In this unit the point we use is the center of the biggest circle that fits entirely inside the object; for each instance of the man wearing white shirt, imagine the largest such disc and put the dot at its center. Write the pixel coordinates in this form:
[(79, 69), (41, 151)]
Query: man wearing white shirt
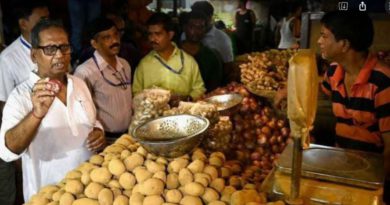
[(108, 77), (15, 66), (50, 118)]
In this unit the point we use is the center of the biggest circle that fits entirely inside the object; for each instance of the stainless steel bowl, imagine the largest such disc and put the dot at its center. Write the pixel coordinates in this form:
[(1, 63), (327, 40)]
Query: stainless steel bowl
[(171, 136), (225, 103)]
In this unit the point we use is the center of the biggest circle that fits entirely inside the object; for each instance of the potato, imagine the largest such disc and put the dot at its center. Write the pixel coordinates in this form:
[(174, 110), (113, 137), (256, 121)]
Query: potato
[(127, 192), (227, 193), (92, 190), (142, 151), (235, 181), (168, 203), (212, 171), (125, 153), (74, 174), (108, 157), (152, 186), (153, 167), (217, 203), (113, 183), (253, 203), (100, 175), (141, 174), (162, 160), (172, 181), (85, 178), (253, 196), (194, 189), (196, 166), (173, 196), (116, 192), (96, 159), (219, 155), (74, 186), (86, 167), (116, 167), (161, 175), (39, 200), (191, 200), (54, 203), (48, 191), (203, 175), (201, 180), (133, 147), (124, 141), (127, 180), (210, 195), (215, 161), (218, 184), (133, 161), (67, 199), (105, 197), (85, 201), (136, 188), (114, 148), (237, 198), (57, 195), (121, 200), (249, 186), (153, 200), (225, 172), (80, 196), (136, 199), (176, 165), (185, 176), (199, 155), (151, 156)]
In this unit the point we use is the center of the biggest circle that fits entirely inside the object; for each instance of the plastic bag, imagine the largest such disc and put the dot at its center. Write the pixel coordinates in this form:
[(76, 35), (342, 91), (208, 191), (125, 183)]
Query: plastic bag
[(302, 94)]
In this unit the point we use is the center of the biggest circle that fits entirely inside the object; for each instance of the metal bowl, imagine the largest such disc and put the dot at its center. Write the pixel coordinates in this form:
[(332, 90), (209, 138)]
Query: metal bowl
[(225, 103), (171, 136)]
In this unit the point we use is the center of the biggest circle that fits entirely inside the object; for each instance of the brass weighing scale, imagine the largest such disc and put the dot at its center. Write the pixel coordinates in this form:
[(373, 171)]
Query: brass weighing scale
[(330, 176)]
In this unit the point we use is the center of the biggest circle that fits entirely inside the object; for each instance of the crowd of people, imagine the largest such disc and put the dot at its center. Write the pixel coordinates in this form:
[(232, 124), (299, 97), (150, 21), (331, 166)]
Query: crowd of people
[(56, 111)]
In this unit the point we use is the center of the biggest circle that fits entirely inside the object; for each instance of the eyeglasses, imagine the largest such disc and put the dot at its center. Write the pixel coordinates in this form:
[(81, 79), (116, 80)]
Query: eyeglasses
[(51, 50)]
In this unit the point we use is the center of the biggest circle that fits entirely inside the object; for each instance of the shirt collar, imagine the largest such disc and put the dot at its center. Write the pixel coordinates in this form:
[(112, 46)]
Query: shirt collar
[(364, 73), (103, 64), (175, 52), (24, 42)]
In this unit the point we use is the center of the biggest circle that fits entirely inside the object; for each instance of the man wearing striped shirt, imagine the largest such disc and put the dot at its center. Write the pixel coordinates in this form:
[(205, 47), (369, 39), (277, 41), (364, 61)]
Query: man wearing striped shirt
[(359, 84), (108, 78)]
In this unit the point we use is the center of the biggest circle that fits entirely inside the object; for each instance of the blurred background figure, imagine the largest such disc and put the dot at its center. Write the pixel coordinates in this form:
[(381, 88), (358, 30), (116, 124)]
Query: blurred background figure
[(245, 21), (81, 12), (290, 27)]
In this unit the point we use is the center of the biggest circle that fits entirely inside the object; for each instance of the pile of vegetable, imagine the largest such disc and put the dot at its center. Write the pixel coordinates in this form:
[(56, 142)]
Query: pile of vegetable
[(266, 70), (125, 173)]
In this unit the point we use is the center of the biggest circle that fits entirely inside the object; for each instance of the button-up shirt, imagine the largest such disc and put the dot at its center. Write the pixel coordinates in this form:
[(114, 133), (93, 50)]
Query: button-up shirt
[(184, 78), (60, 142), (15, 66), (113, 102)]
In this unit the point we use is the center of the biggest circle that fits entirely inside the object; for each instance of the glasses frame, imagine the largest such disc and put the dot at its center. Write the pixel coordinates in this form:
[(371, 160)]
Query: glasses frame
[(65, 49)]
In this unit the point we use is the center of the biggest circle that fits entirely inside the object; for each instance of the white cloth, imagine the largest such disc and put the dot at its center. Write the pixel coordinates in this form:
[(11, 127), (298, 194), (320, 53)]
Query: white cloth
[(60, 143), (220, 41), (15, 66), (113, 103), (287, 39)]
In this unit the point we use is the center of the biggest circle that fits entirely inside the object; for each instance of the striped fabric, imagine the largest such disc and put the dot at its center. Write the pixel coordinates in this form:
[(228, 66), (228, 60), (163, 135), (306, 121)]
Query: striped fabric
[(365, 114)]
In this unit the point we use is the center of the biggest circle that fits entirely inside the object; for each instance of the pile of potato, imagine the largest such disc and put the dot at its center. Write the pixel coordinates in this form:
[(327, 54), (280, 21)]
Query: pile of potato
[(149, 104), (266, 70), (126, 174)]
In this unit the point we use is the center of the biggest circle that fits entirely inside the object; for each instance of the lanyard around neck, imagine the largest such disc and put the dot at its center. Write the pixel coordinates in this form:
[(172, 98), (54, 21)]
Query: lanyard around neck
[(168, 67), (25, 44), (123, 82)]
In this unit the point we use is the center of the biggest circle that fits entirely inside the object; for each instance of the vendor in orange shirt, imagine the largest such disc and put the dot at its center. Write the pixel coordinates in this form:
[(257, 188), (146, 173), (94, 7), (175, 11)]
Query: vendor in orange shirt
[(357, 82)]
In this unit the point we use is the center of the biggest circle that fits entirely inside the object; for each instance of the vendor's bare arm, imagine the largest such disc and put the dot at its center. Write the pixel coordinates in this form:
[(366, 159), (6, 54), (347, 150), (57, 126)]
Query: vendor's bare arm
[(19, 137), (386, 153)]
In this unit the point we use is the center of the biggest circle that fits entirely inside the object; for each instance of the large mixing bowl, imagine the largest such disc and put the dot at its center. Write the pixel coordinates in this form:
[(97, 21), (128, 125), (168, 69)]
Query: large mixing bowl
[(171, 136), (227, 103)]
